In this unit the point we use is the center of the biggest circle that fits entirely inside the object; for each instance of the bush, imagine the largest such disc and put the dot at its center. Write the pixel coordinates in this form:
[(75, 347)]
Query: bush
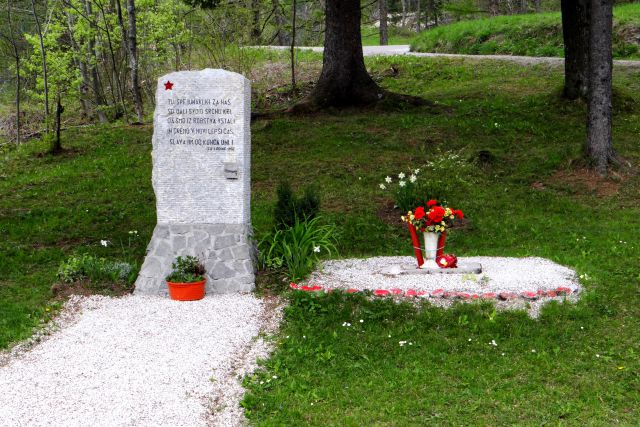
[(187, 269), (295, 250), (79, 267), (289, 207)]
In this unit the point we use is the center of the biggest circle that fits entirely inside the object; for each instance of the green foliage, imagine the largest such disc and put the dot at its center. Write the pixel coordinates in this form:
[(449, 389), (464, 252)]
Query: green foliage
[(289, 207), (447, 174), (296, 249), (528, 34), (187, 269), (85, 266)]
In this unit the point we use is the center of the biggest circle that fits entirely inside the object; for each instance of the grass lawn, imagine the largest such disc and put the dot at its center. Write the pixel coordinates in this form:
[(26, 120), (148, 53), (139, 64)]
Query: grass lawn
[(530, 35), (586, 364)]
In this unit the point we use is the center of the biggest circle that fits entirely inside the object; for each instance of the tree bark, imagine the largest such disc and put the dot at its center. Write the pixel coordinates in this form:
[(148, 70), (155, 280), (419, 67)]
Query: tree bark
[(133, 60), (344, 79), (575, 32), (384, 29), (293, 45), (93, 70), (16, 54), (255, 22), (45, 75), (56, 144), (599, 146), (283, 37)]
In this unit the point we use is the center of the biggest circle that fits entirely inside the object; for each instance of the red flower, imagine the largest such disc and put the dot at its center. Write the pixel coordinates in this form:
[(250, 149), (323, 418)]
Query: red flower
[(432, 203), (436, 214), (419, 213), (458, 213)]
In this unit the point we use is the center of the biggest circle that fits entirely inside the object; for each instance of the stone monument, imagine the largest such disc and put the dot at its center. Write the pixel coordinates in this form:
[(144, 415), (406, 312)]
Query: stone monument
[(201, 178)]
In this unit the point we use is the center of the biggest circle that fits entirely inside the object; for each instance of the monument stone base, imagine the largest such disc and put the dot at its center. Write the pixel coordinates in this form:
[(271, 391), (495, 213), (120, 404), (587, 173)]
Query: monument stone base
[(226, 250)]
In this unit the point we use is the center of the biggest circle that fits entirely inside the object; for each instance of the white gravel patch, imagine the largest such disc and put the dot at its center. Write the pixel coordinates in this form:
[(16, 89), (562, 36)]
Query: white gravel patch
[(498, 275), (138, 360)]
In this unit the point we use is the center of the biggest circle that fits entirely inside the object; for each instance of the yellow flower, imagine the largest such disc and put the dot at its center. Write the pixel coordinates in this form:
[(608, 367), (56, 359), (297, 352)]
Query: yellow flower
[(403, 218)]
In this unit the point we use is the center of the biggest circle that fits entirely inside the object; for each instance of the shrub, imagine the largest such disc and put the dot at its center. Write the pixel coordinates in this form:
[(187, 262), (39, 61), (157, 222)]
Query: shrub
[(289, 207), (187, 269), (79, 267), (296, 249)]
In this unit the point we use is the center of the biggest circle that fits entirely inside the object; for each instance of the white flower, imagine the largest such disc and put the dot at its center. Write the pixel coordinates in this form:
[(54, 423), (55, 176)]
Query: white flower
[(361, 320), (388, 179), (416, 172), (383, 187), (413, 178), (533, 350), (104, 243), (493, 343), (275, 377), (401, 183), (401, 175), (402, 343), (496, 124), (316, 249)]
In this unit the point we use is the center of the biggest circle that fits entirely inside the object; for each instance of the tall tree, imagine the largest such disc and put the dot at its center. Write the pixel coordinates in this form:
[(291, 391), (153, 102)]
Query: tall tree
[(45, 75), (384, 29), (344, 79), (132, 47), (16, 56), (575, 32), (599, 146)]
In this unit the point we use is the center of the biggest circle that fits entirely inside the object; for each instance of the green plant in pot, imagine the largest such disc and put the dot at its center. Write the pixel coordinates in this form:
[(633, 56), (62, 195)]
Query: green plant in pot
[(187, 281)]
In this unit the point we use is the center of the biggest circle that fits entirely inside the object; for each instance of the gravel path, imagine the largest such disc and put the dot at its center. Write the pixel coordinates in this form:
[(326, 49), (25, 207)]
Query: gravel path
[(139, 360), (404, 49)]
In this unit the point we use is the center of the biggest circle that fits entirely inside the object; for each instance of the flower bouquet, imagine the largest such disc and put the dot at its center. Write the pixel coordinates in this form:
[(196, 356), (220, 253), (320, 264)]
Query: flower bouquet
[(433, 220)]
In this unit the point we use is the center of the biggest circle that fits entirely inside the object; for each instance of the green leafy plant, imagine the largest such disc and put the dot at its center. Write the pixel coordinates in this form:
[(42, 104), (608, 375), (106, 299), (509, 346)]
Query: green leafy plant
[(437, 179), (296, 249), (79, 267), (186, 269), (289, 206)]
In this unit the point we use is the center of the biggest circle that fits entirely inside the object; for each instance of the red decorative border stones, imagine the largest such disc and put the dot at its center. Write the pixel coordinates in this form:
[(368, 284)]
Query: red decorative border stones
[(441, 293)]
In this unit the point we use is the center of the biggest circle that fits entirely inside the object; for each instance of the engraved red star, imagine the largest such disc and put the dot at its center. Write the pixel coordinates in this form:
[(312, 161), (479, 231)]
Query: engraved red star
[(168, 85)]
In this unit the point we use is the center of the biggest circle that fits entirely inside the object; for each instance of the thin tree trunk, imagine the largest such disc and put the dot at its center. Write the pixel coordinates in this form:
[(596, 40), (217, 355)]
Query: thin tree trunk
[(16, 54), (384, 30), (114, 69), (599, 146), (404, 13), (575, 32), (418, 13), (56, 144), (255, 22), (133, 60), (93, 70), (293, 46), (344, 79), (45, 76), (283, 37)]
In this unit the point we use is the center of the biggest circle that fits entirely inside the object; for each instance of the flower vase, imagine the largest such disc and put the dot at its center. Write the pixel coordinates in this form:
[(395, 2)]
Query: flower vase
[(431, 240)]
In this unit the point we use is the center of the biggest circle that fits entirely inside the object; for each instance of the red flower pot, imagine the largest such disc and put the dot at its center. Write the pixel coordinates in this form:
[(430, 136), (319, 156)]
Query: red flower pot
[(186, 291)]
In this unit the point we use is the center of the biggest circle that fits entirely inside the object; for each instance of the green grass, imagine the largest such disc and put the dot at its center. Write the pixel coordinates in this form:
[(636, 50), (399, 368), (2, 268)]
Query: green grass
[(331, 375), (371, 36), (530, 35)]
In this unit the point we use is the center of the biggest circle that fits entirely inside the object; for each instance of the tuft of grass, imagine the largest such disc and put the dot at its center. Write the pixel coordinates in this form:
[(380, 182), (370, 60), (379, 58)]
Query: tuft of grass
[(528, 35)]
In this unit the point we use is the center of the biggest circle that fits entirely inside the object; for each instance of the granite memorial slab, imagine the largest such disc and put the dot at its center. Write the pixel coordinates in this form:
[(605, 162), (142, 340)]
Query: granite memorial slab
[(201, 179)]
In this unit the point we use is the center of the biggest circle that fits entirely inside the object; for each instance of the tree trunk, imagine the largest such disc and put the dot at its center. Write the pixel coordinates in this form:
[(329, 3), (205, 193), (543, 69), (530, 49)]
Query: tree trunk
[(93, 70), (293, 46), (45, 76), (56, 144), (538, 4), (344, 79), (255, 22), (599, 146), (16, 54), (418, 13), (404, 13), (575, 32), (78, 60), (283, 37), (133, 60), (384, 30)]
